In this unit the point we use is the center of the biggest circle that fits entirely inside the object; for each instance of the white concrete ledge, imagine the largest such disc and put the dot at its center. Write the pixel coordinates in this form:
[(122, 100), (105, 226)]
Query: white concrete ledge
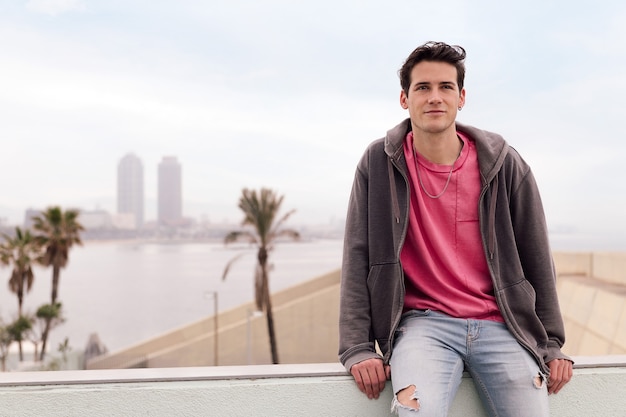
[(201, 373), (268, 390)]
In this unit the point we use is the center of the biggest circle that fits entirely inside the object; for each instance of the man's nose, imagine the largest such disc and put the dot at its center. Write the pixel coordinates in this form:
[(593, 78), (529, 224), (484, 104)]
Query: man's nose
[(434, 97)]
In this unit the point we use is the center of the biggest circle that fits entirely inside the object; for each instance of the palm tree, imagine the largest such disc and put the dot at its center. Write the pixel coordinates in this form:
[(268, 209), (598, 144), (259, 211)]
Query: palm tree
[(19, 330), (20, 251), (5, 343), (57, 231), (261, 214), (48, 317)]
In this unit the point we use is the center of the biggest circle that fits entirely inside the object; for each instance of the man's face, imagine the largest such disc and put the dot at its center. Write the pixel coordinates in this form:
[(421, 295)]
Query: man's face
[(434, 97)]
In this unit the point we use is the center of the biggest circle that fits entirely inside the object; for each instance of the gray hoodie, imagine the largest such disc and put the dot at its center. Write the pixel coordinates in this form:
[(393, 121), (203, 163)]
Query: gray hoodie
[(515, 242)]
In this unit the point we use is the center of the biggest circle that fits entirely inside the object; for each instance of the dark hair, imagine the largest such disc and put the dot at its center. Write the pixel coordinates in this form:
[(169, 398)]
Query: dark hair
[(437, 52)]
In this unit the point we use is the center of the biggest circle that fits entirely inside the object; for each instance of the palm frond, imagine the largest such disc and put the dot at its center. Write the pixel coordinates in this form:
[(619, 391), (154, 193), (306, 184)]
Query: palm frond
[(230, 263), (57, 231), (283, 219), (20, 251), (290, 233), (260, 210), (240, 234)]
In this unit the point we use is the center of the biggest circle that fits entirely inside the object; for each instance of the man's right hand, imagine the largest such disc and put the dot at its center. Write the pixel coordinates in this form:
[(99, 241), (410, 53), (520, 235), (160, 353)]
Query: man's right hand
[(370, 376)]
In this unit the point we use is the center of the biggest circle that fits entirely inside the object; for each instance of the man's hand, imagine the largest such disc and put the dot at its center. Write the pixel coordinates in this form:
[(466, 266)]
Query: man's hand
[(560, 374), (370, 376)]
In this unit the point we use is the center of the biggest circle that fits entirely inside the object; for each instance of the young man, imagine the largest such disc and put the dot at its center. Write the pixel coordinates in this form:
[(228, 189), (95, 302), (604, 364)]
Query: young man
[(446, 264)]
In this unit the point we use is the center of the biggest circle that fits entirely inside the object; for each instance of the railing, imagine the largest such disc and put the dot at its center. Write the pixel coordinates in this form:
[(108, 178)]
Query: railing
[(597, 389)]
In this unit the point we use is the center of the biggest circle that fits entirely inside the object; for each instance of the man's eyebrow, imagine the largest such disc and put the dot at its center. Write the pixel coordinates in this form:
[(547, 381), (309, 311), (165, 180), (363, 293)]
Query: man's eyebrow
[(440, 83)]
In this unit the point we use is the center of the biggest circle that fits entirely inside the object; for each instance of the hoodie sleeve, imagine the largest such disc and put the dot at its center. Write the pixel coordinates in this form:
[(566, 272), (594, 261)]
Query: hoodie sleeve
[(531, 236), (356, 342)]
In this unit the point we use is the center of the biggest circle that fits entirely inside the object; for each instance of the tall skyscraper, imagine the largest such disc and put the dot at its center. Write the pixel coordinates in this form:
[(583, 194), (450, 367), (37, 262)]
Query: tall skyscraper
[(170, 208), (130, 195)]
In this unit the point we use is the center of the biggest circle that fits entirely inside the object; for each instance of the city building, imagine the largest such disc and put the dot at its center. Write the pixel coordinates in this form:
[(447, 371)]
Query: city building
[(95, 219), (170, 193), (130, 195), (28, 217)]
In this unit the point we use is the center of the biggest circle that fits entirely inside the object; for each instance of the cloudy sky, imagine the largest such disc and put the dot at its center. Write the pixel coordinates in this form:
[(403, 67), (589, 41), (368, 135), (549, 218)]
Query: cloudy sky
[(287, 94)]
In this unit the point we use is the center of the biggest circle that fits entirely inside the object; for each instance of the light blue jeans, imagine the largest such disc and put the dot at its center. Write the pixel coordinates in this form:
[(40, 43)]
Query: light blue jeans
[(431, 350)]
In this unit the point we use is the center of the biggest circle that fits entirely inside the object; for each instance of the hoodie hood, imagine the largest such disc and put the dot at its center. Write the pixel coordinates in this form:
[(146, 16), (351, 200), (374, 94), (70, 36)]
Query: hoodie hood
[(491, 147)]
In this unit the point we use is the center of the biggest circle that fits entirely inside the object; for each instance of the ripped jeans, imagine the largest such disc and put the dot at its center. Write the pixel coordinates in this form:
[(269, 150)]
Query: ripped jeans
[(430, 352)]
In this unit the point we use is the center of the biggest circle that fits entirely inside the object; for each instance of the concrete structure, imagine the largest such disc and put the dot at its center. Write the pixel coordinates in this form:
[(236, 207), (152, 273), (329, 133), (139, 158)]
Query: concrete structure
[(170, 192), (130, 191), (305, 318), (314, 390), (592, 293), (594, 311)]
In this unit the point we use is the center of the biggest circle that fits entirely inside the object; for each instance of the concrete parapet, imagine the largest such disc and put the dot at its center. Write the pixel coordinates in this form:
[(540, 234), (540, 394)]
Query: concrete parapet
[(592, 296), (313, 390), (605, 266), (573, 263), (305, 317), (594, 315), (610, 267)]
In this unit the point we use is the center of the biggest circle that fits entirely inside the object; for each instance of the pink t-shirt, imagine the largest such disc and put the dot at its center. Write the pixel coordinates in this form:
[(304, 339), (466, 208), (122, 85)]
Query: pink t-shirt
[(443, 258)]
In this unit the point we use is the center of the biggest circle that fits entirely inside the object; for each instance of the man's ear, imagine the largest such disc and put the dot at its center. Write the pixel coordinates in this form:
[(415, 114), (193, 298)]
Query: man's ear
[(404, 100)]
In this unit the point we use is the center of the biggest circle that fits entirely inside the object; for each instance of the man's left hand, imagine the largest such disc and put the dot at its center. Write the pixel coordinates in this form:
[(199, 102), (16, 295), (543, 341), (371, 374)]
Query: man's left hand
[(560, 374)]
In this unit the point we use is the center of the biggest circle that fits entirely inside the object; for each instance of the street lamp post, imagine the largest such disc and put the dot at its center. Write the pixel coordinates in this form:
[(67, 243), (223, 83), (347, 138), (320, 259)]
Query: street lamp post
[(213, 294), (252, 313)]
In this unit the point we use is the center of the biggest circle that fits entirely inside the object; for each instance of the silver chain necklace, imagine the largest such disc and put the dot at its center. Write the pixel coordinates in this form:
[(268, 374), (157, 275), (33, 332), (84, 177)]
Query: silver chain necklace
[(419, 176)]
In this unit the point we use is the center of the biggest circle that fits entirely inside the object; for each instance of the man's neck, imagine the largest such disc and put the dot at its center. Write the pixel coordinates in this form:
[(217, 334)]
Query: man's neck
[(441, 148)]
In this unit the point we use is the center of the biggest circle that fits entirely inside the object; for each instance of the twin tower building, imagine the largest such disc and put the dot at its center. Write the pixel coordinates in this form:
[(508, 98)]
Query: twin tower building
[(130, 190)]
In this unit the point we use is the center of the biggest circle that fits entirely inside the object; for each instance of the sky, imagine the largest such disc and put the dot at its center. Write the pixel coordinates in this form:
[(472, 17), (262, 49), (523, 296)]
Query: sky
[(287, 95)]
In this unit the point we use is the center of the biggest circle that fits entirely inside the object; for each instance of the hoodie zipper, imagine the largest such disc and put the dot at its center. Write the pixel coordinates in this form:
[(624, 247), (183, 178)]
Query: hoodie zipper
[(491, 239), (396, 207)]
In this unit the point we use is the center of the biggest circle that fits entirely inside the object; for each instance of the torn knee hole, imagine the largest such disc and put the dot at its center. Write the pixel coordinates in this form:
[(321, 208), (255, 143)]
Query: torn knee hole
[(407, 397), (538, 381)]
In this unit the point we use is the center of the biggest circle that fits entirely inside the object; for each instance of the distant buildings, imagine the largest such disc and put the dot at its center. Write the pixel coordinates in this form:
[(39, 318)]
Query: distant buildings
[(130, 194), (130, 219), (28, 217), (170, 193), (95, 219)]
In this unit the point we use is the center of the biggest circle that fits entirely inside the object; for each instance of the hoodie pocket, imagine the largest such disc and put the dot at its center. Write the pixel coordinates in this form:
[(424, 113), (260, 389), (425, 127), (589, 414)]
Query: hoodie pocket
[(519, 300), (384, 286)]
